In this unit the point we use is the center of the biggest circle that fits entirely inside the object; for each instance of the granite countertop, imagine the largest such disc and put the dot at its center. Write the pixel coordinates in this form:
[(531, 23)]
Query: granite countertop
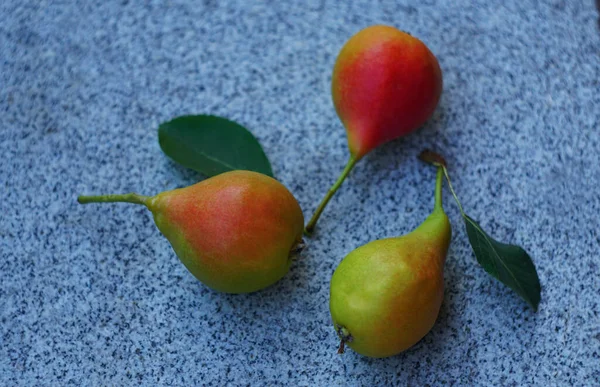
[(95, 296)]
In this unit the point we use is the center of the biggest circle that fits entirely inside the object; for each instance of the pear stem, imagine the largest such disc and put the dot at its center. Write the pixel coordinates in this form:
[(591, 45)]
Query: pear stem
[(310, 227), (438, 189), (438, 160), (462, 212), (127, 198)]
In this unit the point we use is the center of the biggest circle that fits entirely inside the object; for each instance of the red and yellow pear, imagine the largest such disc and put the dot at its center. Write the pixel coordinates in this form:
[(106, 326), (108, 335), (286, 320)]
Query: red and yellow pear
[(385, 84), (235, 232)]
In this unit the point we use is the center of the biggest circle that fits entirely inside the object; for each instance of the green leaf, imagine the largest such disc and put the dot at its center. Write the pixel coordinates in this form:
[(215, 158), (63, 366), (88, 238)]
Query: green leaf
[(212, 145), (508, 263)]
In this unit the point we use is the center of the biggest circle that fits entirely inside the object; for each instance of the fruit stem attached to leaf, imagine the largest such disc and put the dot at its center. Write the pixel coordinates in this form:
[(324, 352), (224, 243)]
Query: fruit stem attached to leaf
[(462, 212), (438, 160), (310, 227), (518, 271), (126, 198)]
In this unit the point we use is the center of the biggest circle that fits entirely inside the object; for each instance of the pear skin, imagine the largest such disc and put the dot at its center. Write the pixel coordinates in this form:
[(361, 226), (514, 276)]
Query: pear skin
[(235, 232), (386, 295)]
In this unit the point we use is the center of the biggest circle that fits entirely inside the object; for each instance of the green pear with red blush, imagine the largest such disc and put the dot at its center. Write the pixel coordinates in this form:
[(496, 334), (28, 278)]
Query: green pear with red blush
[(236, 232), (385, 84), (386, 295)]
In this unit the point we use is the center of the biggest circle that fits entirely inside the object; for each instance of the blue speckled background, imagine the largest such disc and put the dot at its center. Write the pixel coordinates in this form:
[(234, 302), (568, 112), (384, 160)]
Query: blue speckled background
[(95, 296)]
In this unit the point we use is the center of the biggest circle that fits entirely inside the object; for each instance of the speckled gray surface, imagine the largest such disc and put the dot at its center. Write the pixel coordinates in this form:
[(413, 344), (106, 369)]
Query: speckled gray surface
[(95, 296)]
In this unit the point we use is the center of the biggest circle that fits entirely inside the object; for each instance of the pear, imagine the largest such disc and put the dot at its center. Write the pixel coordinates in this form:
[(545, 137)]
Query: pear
[(386, 295), (235, 232), (385, 84)]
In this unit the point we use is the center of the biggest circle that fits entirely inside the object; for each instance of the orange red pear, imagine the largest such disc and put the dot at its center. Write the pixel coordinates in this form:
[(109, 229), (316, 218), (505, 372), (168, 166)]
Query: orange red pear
[(385, 84), (235, 232)]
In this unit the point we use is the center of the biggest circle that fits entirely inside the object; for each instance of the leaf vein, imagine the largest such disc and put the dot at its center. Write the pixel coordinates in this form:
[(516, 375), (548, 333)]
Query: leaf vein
[(497, 255)]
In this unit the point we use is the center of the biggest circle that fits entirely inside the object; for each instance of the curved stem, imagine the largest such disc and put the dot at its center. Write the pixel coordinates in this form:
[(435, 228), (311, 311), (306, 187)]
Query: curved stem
[(453, 193), (127, 198), (438, 189), (310, 227)]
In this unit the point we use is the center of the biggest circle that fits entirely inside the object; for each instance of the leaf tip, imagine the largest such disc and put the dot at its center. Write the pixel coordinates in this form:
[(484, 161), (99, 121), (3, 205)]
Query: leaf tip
[(510, 264)]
